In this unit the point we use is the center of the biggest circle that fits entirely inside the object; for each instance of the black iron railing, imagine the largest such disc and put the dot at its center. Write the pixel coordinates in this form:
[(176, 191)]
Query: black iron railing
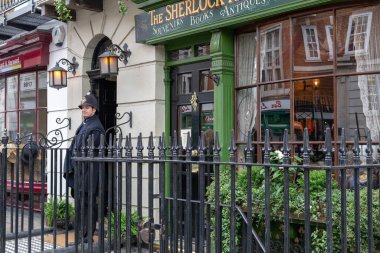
[(168, 198)]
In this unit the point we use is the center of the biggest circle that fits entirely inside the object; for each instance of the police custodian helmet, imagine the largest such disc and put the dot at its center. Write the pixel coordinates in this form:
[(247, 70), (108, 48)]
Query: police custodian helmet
[(89, 100)]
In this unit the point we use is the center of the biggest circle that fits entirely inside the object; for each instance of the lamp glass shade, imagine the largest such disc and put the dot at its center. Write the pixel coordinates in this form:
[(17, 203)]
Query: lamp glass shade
[(108, 63), (57, 77)]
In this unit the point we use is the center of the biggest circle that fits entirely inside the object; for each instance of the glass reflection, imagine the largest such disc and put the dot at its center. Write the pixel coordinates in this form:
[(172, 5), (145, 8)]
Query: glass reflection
[(357, 45), (184, 83), (275, 110), (358, 106), (313, 107), (313, 48), (274, 52)]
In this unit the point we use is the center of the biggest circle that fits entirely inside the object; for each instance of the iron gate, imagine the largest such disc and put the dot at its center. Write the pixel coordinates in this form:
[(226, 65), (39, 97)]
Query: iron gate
[(229, 213)]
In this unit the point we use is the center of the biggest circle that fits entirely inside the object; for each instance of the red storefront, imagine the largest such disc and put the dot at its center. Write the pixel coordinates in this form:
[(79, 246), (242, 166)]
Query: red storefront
[(23, 101)]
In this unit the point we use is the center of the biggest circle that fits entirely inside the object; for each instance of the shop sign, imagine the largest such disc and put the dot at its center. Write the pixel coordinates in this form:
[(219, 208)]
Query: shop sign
[(10, 64), (208, 118), (28, 82), (191, 14), (273, 105)]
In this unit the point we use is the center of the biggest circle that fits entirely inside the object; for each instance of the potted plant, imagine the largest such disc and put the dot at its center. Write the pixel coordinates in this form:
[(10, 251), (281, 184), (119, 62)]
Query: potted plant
[(60, 214)]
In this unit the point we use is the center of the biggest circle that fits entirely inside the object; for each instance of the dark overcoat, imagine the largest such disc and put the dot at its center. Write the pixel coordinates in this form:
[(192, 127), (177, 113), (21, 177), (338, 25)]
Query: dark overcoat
[(90, 126)]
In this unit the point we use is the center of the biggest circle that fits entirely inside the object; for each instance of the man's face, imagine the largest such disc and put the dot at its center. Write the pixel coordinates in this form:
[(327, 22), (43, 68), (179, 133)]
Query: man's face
[(88, 111)]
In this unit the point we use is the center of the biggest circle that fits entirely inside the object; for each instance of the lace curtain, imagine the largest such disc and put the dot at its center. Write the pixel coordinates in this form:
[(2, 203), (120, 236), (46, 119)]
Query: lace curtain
[(247, 98), (369, 60)]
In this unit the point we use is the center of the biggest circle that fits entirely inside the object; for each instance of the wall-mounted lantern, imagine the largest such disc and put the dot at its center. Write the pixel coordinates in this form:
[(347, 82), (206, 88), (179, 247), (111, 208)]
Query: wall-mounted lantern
[(58, 75), (108, 61)]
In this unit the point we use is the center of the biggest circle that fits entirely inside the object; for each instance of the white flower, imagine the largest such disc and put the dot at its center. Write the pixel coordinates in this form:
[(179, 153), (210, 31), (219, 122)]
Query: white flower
[(280, 155)]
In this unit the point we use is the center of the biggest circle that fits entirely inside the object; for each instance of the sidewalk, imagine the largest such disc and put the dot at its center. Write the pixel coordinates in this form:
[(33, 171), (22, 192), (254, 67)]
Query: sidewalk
[(23, 245), (35, 243)]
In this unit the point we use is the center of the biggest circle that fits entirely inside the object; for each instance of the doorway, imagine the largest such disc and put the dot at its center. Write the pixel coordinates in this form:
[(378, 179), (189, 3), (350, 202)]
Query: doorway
[(192, 111), (192, 100)]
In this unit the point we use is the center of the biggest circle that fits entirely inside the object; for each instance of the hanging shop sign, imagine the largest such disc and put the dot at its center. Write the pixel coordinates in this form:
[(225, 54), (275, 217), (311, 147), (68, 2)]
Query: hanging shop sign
[(10, 64), (191, 14)]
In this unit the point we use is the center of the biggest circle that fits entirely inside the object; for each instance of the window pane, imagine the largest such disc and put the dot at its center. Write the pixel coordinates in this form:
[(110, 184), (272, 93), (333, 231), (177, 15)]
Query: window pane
[(12, 91), (42, 121), (357, 39), (27, 122), (42, 89), (184, 83), (313, 107), (2, 94), (206, 83), (247, 67), (11, 126), (275, 111), (312, 54), (274, 52), (246, 113), (180, 54), (358, 105), (202, 50), (2, 123), (28, 91)]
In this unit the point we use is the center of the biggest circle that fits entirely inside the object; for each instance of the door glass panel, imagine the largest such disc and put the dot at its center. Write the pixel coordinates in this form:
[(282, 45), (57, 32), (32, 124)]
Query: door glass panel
[(207, 116), (184, 122), (205, 82), (184, 83)]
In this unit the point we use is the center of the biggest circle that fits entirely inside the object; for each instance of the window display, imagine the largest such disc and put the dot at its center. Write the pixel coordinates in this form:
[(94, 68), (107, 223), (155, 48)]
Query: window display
[(316, 86)]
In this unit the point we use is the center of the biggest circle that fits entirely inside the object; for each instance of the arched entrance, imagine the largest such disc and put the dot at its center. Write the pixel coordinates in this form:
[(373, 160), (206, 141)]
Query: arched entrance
[(103, 87)]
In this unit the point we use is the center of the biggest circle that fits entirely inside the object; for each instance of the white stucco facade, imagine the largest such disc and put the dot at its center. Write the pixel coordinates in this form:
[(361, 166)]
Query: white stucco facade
[(140, 84)]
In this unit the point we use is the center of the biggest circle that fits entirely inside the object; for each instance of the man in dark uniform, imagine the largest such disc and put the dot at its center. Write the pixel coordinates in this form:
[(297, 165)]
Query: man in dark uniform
[(91, 126)]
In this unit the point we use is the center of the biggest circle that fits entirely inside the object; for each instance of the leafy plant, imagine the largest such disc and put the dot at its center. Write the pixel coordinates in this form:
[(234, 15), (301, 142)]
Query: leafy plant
[(123, 224), (317, 184), (60, 212), (64, 13), (123, 8)]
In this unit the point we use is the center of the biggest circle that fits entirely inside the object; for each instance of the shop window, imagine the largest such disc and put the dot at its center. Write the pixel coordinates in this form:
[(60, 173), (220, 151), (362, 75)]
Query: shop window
[(314, 107), (270, 55), (275, 112), (358, 32), (358, 105), (246, 112), (246, 101), (311, 43), (246, 59), (330, 39), (22, 100)]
